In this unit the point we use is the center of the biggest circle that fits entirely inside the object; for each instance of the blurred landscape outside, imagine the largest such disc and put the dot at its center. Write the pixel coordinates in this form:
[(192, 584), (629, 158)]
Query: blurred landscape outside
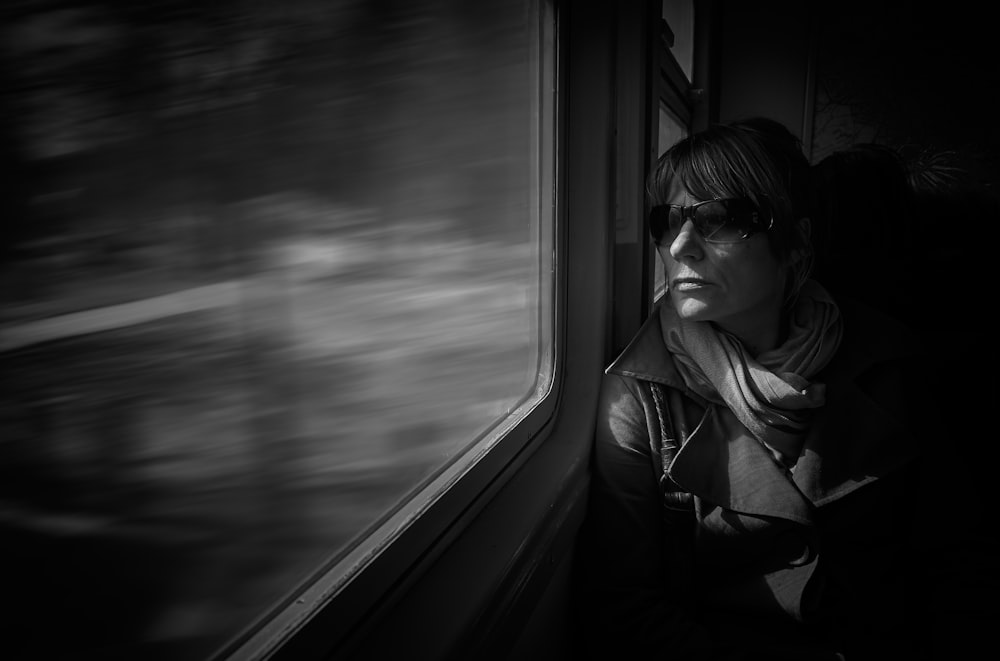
[(267, 269)]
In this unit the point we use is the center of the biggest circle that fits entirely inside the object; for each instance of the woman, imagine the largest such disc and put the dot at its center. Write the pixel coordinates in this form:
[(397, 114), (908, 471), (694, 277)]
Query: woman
[(757, 446)]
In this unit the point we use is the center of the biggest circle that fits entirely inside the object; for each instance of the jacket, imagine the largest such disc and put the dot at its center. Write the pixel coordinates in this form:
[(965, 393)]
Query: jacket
[(832, 560)]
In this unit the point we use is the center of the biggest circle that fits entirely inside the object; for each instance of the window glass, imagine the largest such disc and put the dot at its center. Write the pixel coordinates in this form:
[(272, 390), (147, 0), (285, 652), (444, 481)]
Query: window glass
[(679, 15), (671, 131), (271, 267)]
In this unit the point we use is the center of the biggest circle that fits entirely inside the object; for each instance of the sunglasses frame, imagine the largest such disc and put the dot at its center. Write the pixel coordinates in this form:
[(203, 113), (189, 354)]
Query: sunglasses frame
[(689, 212)]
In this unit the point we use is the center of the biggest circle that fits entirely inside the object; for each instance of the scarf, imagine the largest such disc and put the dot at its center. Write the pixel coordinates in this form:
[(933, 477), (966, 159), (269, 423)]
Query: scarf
[(771, 395)]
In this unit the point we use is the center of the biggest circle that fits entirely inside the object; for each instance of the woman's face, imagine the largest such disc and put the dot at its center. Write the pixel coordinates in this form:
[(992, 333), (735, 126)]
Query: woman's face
[(739, 286)]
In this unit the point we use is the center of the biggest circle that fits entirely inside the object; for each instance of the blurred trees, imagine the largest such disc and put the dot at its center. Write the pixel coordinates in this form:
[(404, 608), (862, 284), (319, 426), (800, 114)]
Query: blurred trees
[(112, 109)]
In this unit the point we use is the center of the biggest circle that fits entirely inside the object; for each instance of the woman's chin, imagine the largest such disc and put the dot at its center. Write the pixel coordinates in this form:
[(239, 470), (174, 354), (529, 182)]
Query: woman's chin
[(691, 309)]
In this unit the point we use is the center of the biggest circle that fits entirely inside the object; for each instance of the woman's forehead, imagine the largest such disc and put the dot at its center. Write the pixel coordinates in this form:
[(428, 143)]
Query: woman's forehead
[(678, 193)]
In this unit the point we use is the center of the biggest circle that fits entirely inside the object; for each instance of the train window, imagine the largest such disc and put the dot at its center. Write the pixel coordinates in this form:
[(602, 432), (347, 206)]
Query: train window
[(679, 17), (274, 270)]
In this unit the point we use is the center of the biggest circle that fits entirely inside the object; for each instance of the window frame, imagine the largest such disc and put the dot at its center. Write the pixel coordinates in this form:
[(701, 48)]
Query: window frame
[(335, 608), (690, 102)]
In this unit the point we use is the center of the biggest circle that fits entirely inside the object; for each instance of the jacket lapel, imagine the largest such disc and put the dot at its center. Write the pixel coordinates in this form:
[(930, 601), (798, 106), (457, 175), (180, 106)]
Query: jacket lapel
[(646, 357), (725, 465)]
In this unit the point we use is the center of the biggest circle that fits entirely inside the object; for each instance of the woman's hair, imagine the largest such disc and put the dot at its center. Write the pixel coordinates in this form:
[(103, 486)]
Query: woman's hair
[(757, 159)]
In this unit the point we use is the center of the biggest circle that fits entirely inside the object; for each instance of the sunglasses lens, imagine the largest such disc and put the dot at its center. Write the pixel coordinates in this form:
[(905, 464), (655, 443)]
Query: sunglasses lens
[(726, 221), (664, 223), (657, 223), (712, 220)]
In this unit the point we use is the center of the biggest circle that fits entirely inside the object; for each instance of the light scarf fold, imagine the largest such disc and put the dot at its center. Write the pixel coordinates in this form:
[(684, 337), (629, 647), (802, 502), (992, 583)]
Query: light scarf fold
[(771, 395)]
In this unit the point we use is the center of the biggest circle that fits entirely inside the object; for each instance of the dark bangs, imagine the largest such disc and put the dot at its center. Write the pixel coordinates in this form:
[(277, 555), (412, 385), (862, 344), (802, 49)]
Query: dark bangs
[(723, 162)]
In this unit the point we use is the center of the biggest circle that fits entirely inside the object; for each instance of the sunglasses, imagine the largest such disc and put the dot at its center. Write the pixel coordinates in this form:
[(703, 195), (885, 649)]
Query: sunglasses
[(727, 220)]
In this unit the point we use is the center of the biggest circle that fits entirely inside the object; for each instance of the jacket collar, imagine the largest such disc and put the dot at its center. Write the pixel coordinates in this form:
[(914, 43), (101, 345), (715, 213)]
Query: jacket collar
[(853, 441), (646, 357)]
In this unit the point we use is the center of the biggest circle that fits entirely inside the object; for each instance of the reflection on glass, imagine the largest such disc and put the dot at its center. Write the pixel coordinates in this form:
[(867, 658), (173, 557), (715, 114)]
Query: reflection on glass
[(671, 130), (679, 15), (271, 267)]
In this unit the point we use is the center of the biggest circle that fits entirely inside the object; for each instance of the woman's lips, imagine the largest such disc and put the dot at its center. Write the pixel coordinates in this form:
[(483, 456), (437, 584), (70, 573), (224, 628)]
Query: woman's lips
[(689, 284)]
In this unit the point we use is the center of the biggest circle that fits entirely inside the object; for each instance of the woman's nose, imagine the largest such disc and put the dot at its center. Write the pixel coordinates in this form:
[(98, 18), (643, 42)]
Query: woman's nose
[(687, 243)]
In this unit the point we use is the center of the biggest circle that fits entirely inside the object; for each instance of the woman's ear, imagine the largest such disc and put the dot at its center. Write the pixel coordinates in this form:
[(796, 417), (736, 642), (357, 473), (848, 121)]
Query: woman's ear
[(804, 247), (805, 228), (800, 261)]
